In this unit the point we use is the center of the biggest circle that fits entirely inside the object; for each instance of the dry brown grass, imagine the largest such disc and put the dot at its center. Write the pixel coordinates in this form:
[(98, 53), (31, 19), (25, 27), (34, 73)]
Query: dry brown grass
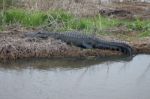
[(14, 48), (77, 7)]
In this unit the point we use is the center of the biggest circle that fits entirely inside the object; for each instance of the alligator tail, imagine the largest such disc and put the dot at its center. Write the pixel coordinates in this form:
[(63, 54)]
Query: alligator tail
[(122, 47)]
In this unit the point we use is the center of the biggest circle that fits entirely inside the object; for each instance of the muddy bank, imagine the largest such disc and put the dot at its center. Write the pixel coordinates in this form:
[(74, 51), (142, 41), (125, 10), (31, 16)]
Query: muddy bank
[(14, 46), (141, 46)]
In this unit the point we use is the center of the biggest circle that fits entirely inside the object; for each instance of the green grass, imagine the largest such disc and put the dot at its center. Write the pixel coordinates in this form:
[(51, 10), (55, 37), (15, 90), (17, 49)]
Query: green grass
[(59, 20), (144, 34), (25, 18), (139, 25), (142, 26), (65, 20), (1, 18)]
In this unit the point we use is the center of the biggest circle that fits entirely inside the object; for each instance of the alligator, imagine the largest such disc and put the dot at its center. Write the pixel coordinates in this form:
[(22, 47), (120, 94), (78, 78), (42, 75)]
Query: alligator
[(84, 41)]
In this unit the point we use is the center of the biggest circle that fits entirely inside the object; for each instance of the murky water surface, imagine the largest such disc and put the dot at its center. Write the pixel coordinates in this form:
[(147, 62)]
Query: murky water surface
[(76, 79)]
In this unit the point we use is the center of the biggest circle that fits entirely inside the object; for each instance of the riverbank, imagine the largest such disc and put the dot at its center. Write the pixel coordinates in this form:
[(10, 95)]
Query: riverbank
[(14, 46), (123, 23)]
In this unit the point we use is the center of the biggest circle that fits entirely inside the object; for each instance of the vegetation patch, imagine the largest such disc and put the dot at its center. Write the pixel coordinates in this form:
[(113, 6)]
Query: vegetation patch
[(60, 20), (26, 18), (57, 20), (142, 26), (139, 25)]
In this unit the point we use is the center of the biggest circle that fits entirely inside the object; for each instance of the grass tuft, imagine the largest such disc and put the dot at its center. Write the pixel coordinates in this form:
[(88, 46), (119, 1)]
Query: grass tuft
[(26, 18), (139, 25)]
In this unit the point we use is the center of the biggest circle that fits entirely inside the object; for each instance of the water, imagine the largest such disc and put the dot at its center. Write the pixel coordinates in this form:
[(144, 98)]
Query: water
[(76, 79)]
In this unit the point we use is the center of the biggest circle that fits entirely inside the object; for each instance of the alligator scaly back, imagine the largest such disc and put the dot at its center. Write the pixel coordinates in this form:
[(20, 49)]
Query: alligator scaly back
[(84, 41)]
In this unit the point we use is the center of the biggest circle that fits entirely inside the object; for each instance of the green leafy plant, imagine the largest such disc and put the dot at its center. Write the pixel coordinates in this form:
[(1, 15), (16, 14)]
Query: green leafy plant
[(139, 25)]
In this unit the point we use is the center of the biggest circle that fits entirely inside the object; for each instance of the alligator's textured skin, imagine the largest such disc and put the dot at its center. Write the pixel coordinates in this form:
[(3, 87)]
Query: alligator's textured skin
[(84, 41)]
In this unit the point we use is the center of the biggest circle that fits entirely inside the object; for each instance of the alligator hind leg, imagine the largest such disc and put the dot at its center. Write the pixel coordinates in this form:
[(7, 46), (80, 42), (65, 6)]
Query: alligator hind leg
[(87, 46), (102, 46)]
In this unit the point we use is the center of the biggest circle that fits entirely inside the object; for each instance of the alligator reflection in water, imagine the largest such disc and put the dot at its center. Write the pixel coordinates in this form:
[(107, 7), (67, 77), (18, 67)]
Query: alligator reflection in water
[(76, 78), (63, 63)]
